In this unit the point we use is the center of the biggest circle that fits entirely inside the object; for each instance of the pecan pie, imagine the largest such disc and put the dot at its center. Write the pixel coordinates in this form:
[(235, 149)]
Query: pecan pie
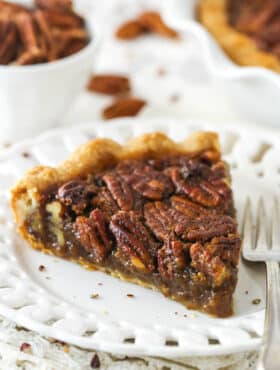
[(153, 212), (248, 30)]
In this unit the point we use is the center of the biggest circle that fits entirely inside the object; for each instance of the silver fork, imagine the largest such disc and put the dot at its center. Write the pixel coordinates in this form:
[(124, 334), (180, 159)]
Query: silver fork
[(261, 242)]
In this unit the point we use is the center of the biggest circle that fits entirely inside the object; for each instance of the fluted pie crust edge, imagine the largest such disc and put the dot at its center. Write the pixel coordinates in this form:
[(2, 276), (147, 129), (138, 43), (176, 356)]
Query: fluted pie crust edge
[(240, 47)]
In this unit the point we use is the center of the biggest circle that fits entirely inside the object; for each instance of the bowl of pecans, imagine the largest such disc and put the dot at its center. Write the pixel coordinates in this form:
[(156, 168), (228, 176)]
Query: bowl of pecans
[(47, 51)]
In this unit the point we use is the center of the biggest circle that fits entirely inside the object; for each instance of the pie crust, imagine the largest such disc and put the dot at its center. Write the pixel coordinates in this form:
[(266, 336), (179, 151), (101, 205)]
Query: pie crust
[(240, 47), (97, 156)]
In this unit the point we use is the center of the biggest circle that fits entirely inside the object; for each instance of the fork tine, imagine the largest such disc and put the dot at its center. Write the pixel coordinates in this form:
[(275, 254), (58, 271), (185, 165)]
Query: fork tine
[(275, 226), (247, 235), (261, 239)]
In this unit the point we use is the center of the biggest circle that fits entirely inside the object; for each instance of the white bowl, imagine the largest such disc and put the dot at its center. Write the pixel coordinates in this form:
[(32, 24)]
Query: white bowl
[(34, 97), (253, 91)]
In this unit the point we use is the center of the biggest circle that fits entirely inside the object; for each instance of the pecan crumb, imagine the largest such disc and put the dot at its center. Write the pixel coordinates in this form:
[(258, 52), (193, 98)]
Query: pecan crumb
[(129, 295), (174, 98), (42, 268), (99, 283), (246, 292), (185, 315), (176, 313), (256, 301), (109, 84), (25, 347), (94, 296), (95, 362), (126, 107)]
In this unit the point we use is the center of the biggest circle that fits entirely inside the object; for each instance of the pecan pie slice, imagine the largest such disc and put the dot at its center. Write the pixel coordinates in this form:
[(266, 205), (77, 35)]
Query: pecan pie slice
[(153, 212), (248, 30)]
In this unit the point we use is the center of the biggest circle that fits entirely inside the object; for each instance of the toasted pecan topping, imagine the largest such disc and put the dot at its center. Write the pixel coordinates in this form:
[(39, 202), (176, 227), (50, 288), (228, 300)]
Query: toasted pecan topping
[(93, 234), (120, 190), (106, 203), (125, 107), (171, 258), (76, 194), (134, 240), (214, 258), (109, 84)]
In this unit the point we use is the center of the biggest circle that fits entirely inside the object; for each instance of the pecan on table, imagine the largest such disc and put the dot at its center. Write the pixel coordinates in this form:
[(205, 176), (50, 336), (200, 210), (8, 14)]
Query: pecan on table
[(94, 235), (76, 194), (109, 84), (124, 107), (120, 190), (171, 258), (134, 240)]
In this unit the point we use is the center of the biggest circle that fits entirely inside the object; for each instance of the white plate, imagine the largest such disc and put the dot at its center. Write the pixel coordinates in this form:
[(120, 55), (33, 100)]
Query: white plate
[(252, 89), (57, 303)]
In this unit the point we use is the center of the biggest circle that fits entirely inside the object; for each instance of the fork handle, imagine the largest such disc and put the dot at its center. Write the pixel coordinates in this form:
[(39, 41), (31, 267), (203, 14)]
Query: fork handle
[(269, 358)]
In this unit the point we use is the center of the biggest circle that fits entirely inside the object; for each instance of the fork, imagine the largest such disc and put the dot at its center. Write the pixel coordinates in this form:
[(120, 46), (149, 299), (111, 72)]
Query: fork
[(261, 242)]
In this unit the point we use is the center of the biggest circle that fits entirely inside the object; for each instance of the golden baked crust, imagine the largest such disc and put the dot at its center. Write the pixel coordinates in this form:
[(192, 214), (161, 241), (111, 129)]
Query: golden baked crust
[(92, 157), (240, 47)]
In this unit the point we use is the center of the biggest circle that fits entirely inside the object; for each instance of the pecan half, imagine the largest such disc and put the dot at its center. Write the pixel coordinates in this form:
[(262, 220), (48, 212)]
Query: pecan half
[(134, 240), (205, 228), (159, 220), (191, 181), (26, 31), (150, 183), (106, 203), (153, 22), (130, 30), (213, 258), (126, 107), (76, 194), (8, 41), (120, 190), (93, 235), (109, 84), (171, 259), (59, 5), (187, 207), (46, 40)]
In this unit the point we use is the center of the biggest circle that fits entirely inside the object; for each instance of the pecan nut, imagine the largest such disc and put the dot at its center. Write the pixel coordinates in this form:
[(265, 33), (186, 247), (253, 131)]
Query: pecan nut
[(93, 234), (120, 190), (76, 194), (205, 228), (125, 107), (130, 30), (171, 259), (150, 183), (134, 240), (104, 201), (109, 84), (153, 22), (214, 258)]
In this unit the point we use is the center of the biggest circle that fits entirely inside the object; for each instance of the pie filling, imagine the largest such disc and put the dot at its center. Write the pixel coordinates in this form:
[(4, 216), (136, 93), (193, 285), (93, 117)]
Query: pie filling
[(258, 19), (164, 223)]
